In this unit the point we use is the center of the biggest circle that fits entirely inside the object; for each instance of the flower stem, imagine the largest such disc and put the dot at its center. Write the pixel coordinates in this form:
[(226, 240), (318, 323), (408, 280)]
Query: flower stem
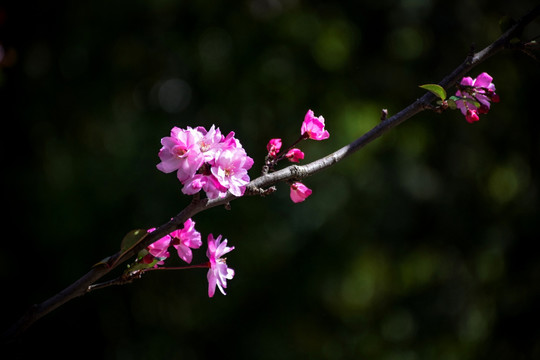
[(137, 274), (283, 153), (205, 265)]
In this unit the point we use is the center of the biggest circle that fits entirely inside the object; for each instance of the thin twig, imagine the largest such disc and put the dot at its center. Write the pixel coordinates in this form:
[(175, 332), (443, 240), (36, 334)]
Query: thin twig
[(129, 277)]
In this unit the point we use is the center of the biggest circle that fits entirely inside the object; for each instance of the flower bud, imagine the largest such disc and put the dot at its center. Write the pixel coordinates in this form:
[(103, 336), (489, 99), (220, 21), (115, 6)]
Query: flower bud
[(299, 192), (471, 116), (273, 147), (294, 155)]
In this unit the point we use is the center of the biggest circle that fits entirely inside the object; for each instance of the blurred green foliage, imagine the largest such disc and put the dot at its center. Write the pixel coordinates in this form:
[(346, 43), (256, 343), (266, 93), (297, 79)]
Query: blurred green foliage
[(420, 246)]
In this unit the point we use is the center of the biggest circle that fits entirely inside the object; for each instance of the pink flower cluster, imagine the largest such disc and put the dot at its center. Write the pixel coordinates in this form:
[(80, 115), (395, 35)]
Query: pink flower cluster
[(475, 96), (206, 160), (209, 161), (312, 128), (183, 241)]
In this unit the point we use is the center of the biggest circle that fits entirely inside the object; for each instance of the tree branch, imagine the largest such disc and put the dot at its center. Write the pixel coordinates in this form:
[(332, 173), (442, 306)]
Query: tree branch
[(84, 284)]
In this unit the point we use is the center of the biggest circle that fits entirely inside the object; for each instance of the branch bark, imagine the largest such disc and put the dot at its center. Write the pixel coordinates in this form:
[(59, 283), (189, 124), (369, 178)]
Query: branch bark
[(83, 285)]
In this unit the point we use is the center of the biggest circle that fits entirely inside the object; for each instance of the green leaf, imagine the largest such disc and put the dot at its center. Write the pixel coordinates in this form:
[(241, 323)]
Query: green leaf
[(473, 102), (131, 239), (139, 266), (142, 254), (452, 103), (104, 261), (467, 99), (437, 90)]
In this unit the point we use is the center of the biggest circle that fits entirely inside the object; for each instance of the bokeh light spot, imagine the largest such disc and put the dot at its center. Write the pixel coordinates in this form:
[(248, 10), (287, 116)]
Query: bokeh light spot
[(333, 47), (405, 43), (174, 95), (506, 181), (366, 280), (215, 48), (397, 326)]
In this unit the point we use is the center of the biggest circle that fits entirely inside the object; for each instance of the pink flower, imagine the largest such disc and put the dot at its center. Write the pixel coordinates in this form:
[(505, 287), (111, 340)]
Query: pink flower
[(299, 192), (186, 239), (206, 182), (230, 169), (210, 142), (273, 147), (313, 127), (219, 272), (480, 91), (294, 155), (180, 153), (158, 249)]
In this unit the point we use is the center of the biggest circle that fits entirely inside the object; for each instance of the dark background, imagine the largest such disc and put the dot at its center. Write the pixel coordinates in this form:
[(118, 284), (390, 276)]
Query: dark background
[(420, 246)]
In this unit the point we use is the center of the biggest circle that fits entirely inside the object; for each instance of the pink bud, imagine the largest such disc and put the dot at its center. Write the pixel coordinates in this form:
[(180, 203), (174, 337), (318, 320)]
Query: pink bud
[(294, 155), (483, 109), (148, 259), (471, 116), (274, 146), (299, 192)]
